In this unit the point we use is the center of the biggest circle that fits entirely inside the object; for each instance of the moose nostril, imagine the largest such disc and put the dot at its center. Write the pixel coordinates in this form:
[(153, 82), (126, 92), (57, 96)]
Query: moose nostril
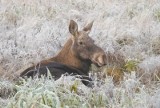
[(100, 60), (103, 59)]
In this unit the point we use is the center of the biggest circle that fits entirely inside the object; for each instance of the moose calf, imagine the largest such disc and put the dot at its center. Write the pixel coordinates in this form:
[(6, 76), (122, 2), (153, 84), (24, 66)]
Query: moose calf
[(75, 57)]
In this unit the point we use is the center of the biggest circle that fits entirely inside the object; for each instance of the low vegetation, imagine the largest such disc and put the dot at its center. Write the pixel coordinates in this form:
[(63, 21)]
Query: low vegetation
[(128, 31)]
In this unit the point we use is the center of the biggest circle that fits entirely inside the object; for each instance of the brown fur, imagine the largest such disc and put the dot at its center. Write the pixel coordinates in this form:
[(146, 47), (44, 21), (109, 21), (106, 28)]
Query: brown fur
[(65, 56), (77, 55)]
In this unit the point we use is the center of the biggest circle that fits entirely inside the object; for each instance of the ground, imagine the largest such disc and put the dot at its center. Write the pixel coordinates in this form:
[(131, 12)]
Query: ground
[(33, 30)]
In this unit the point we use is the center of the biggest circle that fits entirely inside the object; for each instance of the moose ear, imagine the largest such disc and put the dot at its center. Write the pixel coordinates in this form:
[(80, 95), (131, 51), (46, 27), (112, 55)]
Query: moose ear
[(88, 27), (73, 28)]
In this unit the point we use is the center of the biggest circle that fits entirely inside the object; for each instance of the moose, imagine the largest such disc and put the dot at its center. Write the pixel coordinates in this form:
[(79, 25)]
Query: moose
[(76, 56)]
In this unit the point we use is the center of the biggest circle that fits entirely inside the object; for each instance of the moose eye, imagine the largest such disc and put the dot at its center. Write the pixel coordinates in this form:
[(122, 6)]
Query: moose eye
[(80, 43)]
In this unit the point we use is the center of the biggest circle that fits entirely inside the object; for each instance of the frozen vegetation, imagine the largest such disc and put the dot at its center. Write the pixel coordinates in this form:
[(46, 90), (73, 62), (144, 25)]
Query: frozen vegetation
[(33, 30)]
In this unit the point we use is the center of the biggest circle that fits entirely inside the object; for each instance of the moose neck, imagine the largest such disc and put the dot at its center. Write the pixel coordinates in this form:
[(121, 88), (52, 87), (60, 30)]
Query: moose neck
[(65, 56)]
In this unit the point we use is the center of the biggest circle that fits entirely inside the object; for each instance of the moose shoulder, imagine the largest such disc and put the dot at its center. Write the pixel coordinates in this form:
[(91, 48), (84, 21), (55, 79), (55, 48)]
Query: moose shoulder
[(75, 57)]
